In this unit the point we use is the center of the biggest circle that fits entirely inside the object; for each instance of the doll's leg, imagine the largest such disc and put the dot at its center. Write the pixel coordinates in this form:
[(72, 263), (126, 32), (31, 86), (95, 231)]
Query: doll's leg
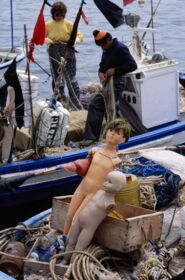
[(76, 201), (72, 240), (86, 199), (84, 239)]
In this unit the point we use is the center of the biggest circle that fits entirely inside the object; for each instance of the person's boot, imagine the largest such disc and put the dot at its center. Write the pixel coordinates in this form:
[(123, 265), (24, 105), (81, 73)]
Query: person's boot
[(86, 142)]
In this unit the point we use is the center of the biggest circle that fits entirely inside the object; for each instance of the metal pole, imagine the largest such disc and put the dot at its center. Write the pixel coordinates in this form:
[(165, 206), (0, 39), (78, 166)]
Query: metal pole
[(11, 13), (29, 87), (152, 17)]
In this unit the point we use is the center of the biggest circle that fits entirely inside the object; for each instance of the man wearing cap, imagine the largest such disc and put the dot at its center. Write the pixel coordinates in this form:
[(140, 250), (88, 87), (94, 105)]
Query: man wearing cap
[(116, 61)]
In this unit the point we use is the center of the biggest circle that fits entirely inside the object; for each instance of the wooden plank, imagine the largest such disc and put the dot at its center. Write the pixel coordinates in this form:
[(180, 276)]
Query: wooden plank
[(112, 234), (59, 210), (142, 229), (31, 266), (129, 234), (128, 210)]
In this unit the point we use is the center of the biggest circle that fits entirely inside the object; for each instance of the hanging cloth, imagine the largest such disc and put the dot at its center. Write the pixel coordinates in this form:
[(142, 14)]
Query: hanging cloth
[(128, 113), (12, 80), (112, 12), (39, 32)]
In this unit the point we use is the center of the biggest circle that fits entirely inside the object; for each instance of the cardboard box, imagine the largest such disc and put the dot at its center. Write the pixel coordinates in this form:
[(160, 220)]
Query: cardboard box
[(127, 234)]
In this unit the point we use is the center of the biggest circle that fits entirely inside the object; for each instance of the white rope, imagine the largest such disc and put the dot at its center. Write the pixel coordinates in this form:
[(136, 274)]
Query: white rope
[(86, 265)]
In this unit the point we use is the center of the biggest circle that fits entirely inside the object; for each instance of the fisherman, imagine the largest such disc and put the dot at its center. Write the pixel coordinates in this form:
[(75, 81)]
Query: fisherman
[(58, 32), (116, 61)]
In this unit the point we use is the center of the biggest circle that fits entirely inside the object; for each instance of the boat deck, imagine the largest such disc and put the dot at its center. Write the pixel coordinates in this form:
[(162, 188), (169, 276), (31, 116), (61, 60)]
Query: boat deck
[(5, 56)]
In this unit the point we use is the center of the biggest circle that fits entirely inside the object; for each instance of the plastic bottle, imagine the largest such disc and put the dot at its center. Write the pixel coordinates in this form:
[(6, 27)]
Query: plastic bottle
[(56, 247), (34, 255), (48, 239), (61, 243)]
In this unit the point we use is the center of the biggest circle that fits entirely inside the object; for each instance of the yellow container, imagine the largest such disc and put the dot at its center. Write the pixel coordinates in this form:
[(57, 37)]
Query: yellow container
[(130, 192)]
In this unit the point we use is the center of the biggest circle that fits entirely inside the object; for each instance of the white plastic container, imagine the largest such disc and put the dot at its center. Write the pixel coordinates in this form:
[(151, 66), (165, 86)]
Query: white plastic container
[(51, 124), (23, 78), (153, 91)]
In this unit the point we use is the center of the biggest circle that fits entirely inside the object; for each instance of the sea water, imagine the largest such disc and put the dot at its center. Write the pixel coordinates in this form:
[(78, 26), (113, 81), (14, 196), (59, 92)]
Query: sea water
[(169, 36)]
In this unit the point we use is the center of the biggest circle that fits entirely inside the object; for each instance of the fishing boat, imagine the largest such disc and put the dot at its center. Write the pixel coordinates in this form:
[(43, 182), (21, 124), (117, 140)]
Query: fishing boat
[(7, 54), (152, 91), (6, 57)]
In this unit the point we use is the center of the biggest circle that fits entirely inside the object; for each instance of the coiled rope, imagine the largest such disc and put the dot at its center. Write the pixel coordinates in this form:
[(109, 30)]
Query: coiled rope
[(153, 269), (5, 237), (87, 265), (147, 194)]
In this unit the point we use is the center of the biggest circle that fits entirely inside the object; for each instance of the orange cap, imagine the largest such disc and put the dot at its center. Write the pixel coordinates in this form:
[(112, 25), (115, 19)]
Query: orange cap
[(100, 35)]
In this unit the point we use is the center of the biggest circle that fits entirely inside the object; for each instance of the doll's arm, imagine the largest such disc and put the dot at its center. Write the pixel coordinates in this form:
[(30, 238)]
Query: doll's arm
[(92, 152), (110, 208)]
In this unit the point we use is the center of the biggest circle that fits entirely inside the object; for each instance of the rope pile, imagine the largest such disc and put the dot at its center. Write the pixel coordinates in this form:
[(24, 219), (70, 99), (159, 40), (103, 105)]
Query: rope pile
[(147, 194), (86, 265), (143, 168), (29, 234), (153, 269)]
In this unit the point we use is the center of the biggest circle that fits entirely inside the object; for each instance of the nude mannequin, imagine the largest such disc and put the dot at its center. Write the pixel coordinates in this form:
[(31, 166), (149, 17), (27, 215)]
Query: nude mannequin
[(104, 160), (85, 224)]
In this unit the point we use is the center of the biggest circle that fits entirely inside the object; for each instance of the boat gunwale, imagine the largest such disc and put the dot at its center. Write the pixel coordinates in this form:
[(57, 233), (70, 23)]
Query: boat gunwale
[(20, 56), (67, 156)]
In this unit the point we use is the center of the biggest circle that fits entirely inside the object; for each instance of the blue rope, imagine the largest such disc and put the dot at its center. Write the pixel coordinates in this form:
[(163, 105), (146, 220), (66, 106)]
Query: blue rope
[(143, 168), (167, 190)]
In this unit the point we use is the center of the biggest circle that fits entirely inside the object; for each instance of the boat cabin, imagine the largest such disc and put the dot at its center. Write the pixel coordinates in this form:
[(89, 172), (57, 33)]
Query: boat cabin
[(153, 92)]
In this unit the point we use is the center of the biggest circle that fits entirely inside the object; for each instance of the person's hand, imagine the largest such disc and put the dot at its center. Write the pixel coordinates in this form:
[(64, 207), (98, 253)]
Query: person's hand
[(48, 41), (101, 77), (110, 72)]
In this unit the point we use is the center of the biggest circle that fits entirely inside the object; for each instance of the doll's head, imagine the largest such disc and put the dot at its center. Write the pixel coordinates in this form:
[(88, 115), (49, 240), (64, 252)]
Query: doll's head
[(120, 127), (114, 182)]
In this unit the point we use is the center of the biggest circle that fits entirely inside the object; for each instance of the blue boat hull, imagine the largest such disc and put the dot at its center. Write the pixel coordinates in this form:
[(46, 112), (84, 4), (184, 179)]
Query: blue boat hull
[(34, 197), (182, 78)]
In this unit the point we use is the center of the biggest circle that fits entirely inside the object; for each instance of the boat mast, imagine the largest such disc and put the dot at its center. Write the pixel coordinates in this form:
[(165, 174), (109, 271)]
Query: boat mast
[(152, 18), (29, 87), (12, 35)]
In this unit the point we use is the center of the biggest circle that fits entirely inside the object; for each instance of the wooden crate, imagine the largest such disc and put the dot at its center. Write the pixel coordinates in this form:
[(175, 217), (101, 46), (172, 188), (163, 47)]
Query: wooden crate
[(124, 235)]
